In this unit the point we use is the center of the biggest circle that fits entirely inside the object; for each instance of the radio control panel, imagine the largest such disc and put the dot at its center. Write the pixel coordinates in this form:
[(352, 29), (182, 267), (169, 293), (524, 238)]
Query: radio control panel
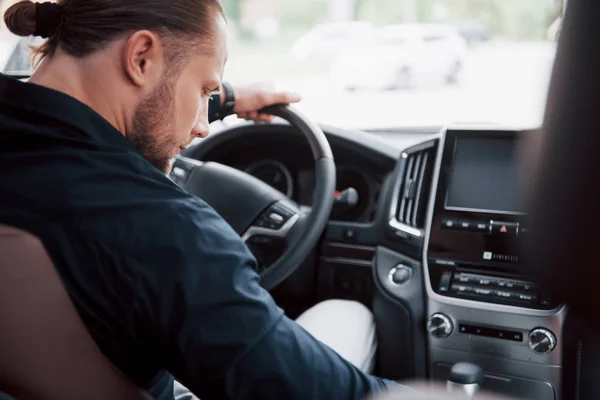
[(500, 289)]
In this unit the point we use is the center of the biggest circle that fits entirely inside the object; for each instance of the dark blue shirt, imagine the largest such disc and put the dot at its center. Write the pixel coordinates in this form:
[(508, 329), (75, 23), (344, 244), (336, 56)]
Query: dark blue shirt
[(163, 283)]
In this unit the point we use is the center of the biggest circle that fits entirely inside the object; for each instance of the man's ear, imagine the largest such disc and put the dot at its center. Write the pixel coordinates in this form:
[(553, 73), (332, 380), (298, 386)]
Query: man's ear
[(143, 59)]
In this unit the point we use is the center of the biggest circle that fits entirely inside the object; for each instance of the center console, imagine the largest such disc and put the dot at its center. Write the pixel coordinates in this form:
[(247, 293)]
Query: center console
[(482, 306)]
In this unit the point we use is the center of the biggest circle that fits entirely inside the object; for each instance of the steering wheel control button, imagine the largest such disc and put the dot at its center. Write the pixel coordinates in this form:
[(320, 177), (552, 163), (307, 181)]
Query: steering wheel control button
[(274, 217), (400, 274), (266, 223), (281, 210), (182, 168), (542, 341), (179, 172), (440, 326), (260, 240)]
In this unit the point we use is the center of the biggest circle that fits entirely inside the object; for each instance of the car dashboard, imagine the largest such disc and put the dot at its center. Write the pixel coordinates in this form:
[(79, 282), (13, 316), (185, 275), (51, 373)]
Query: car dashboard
[(458, 202), (283, 159), (432, 246)]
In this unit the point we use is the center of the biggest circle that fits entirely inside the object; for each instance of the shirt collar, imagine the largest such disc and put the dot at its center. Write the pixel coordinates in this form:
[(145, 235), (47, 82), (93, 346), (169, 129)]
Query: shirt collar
[(61, 107)]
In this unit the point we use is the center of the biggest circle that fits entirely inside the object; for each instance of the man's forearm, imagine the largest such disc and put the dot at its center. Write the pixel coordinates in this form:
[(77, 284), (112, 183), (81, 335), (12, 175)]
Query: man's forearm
[(298, 366)]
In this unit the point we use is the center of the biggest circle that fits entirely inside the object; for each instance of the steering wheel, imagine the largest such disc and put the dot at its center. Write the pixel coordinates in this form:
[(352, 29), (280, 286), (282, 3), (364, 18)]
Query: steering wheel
[(279, 234)]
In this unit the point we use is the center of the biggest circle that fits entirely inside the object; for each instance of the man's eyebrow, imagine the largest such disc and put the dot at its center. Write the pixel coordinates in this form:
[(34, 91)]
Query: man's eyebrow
[(214, 86)]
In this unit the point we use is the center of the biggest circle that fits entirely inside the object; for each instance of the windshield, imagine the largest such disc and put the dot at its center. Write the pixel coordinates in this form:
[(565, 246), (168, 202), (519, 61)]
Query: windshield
[(388, 64)]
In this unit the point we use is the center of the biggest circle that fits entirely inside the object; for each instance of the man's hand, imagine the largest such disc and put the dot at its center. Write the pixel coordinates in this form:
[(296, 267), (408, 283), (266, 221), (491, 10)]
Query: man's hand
[(251, 98)]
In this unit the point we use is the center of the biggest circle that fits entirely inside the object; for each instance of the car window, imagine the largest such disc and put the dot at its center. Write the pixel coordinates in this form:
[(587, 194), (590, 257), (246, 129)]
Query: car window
[(496, 64)]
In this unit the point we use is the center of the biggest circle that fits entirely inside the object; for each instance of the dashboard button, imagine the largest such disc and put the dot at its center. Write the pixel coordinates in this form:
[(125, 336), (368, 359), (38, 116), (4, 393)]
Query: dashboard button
[(482, 227), (482, 291), (511, 284), (350, 234), (445, 281), (400, 274), (545, 298), (465, 225), (449, 224), (501, 283), (464, 289), (526, 287), (485, 281), (500, 228), (464, 278), (471, 226), (527, 297), (504, 294)]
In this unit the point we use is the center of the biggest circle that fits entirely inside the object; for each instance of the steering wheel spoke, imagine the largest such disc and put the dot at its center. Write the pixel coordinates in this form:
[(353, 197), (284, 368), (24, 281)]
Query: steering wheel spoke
[(267, 237), (275, 229)]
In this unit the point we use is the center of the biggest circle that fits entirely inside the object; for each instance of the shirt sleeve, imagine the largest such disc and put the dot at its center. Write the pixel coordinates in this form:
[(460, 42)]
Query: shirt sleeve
[(219, 332)]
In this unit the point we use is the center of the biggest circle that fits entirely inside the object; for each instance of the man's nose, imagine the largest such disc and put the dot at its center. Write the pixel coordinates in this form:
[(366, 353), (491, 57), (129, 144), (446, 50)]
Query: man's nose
[(201, 129)]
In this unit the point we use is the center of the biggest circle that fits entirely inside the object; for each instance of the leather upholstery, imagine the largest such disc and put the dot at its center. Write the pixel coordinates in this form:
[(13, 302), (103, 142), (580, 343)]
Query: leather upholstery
[(588, 368), (45, 350)]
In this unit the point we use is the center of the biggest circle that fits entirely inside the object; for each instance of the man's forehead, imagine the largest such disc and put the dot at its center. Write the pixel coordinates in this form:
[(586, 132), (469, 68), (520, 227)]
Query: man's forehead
[(221, 42), (223, 36)]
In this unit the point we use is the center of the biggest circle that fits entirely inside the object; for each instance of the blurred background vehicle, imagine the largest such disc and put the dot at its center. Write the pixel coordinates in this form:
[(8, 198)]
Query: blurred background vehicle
[(474, 32), (400, 57), (326, 40)]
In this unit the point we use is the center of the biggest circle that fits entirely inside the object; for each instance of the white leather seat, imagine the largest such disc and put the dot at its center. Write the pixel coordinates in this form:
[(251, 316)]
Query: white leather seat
[(348, 327)]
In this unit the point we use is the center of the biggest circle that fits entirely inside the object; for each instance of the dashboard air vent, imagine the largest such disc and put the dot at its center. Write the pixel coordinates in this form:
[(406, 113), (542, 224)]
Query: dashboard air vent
[(415, 186)]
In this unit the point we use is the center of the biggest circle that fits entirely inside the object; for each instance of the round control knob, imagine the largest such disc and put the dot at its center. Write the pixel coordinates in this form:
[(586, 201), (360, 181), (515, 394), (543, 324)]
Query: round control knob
[(542, 341), (400, 274), (440, 326)]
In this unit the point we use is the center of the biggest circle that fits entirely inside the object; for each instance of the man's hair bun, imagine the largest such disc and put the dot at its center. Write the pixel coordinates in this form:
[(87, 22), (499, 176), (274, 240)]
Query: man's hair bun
[(20, 18)]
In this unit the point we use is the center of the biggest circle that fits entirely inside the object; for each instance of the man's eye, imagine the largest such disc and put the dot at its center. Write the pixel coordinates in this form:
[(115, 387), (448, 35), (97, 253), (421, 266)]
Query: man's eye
[(209, 93)]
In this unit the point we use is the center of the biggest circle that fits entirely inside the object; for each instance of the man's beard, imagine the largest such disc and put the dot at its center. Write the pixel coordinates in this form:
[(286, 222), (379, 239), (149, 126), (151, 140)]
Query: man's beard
[(153, 126)]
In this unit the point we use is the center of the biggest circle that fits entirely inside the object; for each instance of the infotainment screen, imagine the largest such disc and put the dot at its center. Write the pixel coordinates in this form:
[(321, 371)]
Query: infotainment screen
[(484, 175)]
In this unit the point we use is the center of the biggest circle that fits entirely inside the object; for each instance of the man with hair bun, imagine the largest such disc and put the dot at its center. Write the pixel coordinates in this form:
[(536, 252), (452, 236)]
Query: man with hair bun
[(164, 285)]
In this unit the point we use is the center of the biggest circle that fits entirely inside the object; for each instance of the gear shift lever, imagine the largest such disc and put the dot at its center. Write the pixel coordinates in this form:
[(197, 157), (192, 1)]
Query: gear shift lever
[(465, 378)]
